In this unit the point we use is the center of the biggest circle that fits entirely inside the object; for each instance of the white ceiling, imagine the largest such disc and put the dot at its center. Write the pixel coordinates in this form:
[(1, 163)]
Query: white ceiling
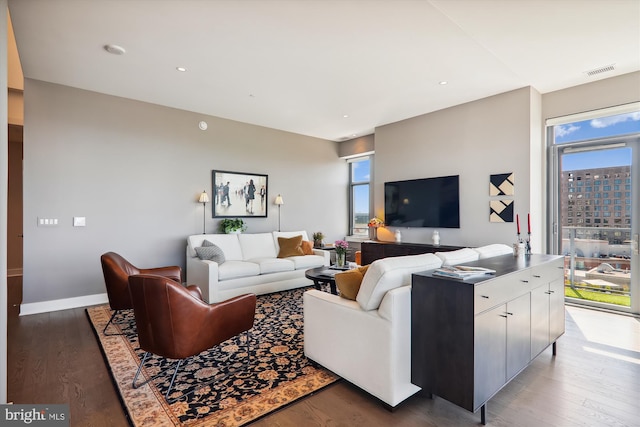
[(302, 65)]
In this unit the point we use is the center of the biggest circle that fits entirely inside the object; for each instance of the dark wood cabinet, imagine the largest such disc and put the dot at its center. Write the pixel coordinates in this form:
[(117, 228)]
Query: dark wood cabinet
[(547, 302), (469, 338), (372, 251)]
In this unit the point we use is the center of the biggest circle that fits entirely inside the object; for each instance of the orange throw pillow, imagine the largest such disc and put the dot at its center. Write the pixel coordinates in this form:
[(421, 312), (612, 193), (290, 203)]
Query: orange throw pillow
[(290, 246), (348, 282), (307, 247)]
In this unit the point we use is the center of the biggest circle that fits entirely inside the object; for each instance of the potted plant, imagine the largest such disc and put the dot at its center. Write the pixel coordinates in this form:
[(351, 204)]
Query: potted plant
[(317, 239), (232, 225)]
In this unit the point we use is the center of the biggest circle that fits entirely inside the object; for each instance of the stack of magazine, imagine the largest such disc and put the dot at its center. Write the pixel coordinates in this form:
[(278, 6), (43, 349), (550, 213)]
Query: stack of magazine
[(462, 272)]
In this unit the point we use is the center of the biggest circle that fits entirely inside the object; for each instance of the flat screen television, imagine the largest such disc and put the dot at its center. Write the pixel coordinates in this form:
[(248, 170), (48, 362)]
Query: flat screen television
[(427, 202)]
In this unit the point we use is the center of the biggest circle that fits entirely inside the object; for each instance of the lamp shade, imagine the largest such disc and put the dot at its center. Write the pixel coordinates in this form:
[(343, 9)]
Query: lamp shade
[(279, 200), (204, 197)]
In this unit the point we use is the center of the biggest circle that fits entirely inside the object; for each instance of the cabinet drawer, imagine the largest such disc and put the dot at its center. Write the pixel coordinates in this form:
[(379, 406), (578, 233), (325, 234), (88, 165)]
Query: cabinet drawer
[(547, 273), (500, 290)]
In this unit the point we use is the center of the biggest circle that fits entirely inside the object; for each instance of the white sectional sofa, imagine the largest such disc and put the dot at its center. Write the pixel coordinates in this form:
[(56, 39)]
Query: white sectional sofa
[(251, 265), (368, 341)]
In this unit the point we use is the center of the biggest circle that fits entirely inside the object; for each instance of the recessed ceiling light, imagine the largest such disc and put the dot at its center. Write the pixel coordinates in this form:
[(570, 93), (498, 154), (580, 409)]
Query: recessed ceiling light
[(203, 125), (114, 49), (345, 116), (181, 69), (444, 82)]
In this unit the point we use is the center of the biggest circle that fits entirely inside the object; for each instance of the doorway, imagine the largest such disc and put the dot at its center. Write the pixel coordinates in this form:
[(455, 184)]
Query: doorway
[(595, 205), (14, 221)]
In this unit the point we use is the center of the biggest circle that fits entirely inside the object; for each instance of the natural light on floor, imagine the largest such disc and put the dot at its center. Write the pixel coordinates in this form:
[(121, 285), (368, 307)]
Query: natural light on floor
[(612, 335)]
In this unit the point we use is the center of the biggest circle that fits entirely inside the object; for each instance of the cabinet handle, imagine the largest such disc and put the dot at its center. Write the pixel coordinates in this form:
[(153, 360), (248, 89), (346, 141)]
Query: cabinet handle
[(510, 314), (524, 281), (537, 276), (549, 292), (503, 315), (484, 296)]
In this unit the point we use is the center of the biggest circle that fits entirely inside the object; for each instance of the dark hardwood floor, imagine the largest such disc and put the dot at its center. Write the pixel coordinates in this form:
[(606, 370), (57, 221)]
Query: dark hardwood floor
[(594, 381)]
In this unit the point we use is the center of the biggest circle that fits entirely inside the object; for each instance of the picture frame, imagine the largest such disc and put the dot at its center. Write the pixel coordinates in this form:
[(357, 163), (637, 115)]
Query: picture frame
[(234, 198)]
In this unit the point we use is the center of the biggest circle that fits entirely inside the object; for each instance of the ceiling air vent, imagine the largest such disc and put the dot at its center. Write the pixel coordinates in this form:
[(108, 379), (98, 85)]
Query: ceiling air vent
[(600, 70)]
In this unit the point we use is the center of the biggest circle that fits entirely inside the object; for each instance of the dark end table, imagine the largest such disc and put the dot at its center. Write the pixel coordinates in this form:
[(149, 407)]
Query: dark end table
[(322, 276)]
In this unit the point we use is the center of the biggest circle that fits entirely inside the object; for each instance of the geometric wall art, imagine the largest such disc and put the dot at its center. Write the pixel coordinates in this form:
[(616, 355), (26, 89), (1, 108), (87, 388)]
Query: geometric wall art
[(501, 184), (501, 210)]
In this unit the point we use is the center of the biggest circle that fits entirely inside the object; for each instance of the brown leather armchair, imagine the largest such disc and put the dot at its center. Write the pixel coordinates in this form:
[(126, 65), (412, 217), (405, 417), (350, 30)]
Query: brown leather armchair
[(175, 323), (116, 271)]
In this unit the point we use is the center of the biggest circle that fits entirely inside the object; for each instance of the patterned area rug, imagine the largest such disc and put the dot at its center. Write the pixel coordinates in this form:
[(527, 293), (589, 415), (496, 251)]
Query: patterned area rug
[(277, 375)]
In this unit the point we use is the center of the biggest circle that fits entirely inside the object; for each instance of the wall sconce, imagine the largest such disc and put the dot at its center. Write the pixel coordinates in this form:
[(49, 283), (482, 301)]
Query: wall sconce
[(204, 198), (279, 202)]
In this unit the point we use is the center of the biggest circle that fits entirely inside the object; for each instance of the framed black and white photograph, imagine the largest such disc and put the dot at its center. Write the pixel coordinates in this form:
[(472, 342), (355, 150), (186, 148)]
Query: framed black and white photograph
[(239, 194)]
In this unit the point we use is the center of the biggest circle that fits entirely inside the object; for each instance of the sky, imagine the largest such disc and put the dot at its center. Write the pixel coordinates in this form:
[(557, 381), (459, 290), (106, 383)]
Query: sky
[(620, 124), (598, 128)]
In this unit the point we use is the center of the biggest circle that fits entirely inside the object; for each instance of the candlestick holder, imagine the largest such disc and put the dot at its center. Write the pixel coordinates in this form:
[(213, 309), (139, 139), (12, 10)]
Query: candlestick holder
[(528, 244)]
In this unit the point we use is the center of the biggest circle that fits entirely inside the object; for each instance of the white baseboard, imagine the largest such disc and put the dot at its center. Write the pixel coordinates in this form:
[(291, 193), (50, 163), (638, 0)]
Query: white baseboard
[(62, 304)]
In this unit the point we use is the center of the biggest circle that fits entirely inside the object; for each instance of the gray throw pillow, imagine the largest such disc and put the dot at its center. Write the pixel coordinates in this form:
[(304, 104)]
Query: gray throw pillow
[(211, 252)]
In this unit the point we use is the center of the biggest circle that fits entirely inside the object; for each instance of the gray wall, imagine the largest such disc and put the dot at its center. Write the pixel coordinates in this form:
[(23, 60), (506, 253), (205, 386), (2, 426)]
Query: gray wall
[(499, 134), (473, 140), (135, 170), (357, 146), (593, 96)]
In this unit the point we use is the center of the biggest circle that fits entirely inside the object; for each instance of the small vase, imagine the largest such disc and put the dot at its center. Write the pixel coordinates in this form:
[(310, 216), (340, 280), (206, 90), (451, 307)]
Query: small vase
[(373, 233), (341, 260)]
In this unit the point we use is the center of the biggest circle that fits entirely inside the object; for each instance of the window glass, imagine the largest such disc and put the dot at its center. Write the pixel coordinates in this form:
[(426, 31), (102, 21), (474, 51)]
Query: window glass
[(620, 124), (360, 196)]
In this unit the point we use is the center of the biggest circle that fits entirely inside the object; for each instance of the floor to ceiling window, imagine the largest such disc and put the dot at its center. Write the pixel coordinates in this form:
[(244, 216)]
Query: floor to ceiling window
[(359, 195), (594, 205)]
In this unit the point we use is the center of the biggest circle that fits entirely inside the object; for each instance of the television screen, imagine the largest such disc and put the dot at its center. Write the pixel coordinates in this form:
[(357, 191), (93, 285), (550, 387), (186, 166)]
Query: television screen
[(427, 202)]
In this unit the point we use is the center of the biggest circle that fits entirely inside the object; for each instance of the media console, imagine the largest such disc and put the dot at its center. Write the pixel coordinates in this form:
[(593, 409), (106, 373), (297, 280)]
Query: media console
[(469, 338), (372, 251)]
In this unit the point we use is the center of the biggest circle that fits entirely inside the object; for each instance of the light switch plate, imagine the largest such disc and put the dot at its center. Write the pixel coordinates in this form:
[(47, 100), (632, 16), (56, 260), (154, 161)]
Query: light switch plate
[(79, 221), (47, 222)]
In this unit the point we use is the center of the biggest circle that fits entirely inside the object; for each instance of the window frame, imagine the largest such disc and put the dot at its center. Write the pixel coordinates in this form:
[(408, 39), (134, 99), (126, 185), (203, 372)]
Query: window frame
[(352, 185)]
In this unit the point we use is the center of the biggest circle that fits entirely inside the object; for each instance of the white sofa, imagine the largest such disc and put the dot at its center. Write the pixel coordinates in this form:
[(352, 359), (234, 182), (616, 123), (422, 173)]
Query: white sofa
[(251, 265), (368, 341)]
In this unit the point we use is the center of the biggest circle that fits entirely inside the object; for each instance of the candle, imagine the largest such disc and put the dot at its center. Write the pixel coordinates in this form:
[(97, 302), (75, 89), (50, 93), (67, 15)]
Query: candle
[(518, 222), (529, 223)]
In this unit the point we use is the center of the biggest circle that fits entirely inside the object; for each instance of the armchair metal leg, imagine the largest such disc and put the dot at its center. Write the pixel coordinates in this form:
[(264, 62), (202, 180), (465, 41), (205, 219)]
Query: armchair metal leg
[(104, 331), (173, 378), (144, 359), (175, 373)]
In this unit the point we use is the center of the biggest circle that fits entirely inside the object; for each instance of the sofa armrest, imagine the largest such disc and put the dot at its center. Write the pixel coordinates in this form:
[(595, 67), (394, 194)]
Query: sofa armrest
[(325, 254), (362, 346), (203, 274)]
